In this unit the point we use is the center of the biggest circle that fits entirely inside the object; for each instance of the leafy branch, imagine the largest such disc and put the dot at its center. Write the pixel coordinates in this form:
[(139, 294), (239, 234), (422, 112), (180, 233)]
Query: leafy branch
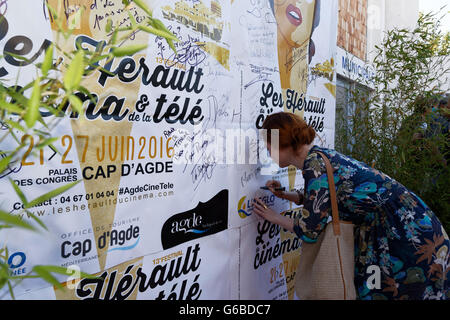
[(56, 82)]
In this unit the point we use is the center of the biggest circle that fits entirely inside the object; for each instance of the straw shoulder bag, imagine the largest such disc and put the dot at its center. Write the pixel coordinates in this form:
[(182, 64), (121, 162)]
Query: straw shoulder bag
[(326, 268)]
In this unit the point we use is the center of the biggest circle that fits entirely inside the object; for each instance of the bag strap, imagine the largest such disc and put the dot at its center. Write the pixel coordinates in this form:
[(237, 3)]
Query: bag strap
[(332, 187)]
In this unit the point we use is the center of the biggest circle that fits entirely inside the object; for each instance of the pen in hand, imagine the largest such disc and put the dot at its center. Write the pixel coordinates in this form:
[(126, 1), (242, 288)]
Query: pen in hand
[(276, 189)]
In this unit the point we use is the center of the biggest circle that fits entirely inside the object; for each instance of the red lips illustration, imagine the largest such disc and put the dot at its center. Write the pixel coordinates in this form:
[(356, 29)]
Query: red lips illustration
[(294, 15)]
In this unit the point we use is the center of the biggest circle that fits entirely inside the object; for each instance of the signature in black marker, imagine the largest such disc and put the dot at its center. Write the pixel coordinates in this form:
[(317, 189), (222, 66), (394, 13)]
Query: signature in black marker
[(262, 76), (11, 168), (191, 54)]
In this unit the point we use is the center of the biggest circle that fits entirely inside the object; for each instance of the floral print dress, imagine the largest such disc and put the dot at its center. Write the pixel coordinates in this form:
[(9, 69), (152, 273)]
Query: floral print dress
[(394, 229)]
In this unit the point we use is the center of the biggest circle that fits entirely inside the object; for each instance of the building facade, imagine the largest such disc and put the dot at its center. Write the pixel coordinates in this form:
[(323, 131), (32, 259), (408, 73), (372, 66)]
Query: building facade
[(362, 25)]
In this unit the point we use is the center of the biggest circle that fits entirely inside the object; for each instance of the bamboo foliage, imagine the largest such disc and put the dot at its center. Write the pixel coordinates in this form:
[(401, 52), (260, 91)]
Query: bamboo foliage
[(389, 125), (51, 90)]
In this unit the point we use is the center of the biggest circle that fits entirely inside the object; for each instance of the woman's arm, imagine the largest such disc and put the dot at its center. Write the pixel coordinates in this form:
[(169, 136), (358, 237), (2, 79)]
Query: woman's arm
[(268, 214), (317, 208), (294, 196)]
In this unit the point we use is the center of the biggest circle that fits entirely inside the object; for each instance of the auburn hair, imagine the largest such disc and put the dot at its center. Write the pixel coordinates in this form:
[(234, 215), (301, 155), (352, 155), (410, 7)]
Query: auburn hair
[(293, 130)]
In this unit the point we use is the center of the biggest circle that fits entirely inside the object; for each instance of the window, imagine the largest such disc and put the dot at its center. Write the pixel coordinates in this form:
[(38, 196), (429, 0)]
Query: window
[(350, 119)]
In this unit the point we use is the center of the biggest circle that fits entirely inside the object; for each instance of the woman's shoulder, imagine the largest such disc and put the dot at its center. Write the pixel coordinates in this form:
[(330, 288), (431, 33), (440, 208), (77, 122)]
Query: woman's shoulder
[(343, 165), (336, 158), (316, 149), (314, 154), (315, 162)]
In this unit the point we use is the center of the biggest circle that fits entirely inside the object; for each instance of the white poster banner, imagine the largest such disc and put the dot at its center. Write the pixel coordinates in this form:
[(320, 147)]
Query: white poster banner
[(269, 257), (190, 271), (168, 151)]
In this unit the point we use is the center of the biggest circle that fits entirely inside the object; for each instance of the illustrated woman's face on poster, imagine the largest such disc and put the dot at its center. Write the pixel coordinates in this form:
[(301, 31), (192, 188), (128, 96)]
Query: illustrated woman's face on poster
[(295, 19)]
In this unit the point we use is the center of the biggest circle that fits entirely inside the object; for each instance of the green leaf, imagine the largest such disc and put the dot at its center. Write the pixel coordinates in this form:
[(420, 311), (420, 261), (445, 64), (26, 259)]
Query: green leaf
[(54, 269), (171, 45), (158, 24), (18, 57), (33, 105), (15, 125), (76, 103), (143, 6), (88, 93), (47, 276), (11, 291), (4, 163), (132, 20), (128, 50), (14, 221), (53, 12), (10, 107), (48, 61), (114, 36), (17, 93), (51, 194), (74, 73), (66, 271), (94, 60), (5, 257), (18, 192), (45, 143), (35, 218), (158, 32), (3, 278), (108, 26), (106, 71), (45, 272)]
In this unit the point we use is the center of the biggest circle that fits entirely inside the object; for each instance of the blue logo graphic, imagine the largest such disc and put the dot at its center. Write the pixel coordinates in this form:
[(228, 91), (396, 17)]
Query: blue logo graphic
[(126, 248), (19, 263), (196, 231)]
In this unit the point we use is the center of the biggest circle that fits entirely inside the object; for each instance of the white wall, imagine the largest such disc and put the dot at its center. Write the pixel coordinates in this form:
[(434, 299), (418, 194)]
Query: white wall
[(401, 13), (384, 15)]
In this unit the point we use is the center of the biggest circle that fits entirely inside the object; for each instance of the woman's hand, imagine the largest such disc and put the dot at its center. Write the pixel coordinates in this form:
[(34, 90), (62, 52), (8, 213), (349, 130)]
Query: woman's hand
[(293, 196), (272, 184), (268, 214), (264, 211)]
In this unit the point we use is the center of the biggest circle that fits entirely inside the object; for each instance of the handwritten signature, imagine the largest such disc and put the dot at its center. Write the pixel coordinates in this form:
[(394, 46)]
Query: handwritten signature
[(197, 152), (248, 176), (201, 172), (257, 6), (262, 76), (292, 59), (204, 167), (191, 54), (189, 51), (11, 168), (258, 9), (3, 125), (216, 111)]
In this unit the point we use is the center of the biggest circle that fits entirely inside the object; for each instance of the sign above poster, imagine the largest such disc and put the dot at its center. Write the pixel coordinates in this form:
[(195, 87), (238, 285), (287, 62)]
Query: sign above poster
[(353, 68)]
